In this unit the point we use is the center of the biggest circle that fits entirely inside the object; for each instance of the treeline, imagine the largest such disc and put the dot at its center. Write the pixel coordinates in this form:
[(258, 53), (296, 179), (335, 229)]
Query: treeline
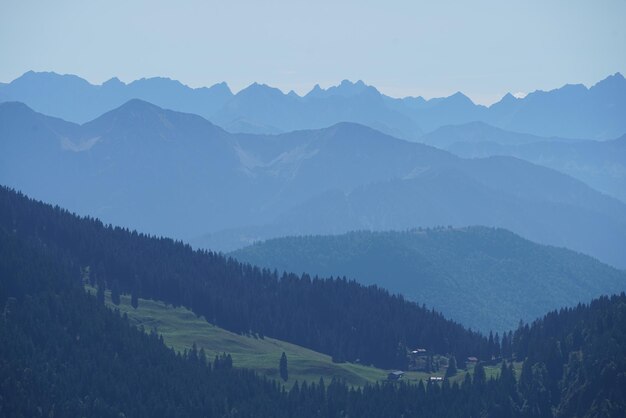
[(63, 354), (331, 315)]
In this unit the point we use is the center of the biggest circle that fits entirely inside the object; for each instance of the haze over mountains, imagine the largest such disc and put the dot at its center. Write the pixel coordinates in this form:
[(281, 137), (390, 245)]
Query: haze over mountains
[(550, 167), (487, 279), (572, 111), (340, 250), (600, 164), (178, 175)]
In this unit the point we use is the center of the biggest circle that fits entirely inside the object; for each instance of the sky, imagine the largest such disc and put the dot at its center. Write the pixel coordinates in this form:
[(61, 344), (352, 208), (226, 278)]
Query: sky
[(484, 48)]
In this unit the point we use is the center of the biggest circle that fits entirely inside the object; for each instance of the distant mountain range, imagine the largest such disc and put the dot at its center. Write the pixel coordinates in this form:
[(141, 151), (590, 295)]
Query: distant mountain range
[(600, 164), (484, 278), (178, 175), (572, 111)]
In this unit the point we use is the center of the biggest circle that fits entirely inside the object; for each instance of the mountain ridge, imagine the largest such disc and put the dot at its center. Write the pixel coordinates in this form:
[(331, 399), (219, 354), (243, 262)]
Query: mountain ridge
[(179, 175), (600, 164), (598, 114), (485, 278)]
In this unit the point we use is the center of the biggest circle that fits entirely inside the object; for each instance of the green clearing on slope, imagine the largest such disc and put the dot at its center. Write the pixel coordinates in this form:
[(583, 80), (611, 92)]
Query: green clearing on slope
[(181, 328)]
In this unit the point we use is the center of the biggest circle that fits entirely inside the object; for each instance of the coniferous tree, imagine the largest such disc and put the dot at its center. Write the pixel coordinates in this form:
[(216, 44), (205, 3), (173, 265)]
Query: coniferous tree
[(100, 292), (451, 370), (284, 374), (98, 272), (479, 374), (497, 346), (134, 295), (506, 346), (490, 347), (134, 300), (115, 293), (228, 361)]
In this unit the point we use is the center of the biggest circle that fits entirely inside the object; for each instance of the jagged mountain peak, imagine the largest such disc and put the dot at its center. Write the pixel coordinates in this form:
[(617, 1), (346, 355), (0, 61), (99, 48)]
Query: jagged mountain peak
[(221, 87), (345, 88), (613, 78), (508, 98), (260, 89), (460, 97), (113, 82)]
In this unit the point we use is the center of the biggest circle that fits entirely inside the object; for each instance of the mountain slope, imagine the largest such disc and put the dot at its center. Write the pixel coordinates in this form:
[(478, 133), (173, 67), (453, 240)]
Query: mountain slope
[(181, 329), (337, 317), (64, 354), (537, 204), (575, 360), (484, 278), (480, 133), (601, 164), (177, 174)]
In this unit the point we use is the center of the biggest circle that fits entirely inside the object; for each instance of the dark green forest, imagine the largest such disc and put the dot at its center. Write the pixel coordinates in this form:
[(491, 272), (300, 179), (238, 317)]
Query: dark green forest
[(485, 278), (331, 315), (63, 353)]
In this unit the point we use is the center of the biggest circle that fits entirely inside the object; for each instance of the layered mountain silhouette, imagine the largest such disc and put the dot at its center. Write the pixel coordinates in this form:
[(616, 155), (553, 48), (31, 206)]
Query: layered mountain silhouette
[(176, 174), (74, 99), (572, 111), (255, 109), (600, 164), (484, 278)]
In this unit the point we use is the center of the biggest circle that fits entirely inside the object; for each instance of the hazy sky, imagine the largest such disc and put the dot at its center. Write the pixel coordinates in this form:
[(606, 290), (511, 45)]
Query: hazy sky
[(432, 48)]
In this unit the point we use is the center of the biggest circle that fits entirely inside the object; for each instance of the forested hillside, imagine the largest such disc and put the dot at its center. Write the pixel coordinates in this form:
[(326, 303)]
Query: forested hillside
[(575, 360), (334, 316), (485, 278), (62, 353)]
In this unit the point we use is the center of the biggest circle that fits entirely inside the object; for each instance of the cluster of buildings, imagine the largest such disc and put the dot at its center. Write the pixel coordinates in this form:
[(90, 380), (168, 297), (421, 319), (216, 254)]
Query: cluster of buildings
[(422, 361)]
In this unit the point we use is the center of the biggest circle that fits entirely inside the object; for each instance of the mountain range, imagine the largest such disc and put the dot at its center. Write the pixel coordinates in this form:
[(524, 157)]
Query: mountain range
[(600, 164), (572, 111), (484, 278), (176, 174), (64, 353)]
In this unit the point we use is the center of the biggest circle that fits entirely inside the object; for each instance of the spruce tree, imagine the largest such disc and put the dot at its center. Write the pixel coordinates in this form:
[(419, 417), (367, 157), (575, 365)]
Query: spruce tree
[(451, 370), (134, 300), (283, 367), (115, 293), (134, 294), (479, 374), (100, 292)]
